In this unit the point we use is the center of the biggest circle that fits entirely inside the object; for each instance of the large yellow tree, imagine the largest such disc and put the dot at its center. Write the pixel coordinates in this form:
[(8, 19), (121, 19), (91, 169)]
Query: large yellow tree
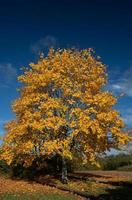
[(63, 109)]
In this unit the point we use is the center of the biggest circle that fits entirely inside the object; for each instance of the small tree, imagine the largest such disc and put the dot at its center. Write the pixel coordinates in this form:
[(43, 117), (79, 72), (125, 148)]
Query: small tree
[(63, 110)]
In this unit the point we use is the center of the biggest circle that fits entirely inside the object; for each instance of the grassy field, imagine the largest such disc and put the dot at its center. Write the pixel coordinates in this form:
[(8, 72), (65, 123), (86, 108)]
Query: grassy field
[(99, 185), (24, 190)]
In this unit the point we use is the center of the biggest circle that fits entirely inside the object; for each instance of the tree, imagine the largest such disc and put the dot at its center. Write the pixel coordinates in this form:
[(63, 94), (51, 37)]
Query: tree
[(63, 109)]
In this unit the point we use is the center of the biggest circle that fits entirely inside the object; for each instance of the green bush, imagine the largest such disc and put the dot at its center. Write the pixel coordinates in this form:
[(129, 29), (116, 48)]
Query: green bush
[(125, 168), (4, 167), (113, 162)]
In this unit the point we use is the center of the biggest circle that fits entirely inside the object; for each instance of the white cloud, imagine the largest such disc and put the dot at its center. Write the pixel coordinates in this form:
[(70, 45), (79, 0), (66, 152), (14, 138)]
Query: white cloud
[(8, 75), (123, 84), (44, 44), (2, 123), (126, 114), (128, 119), (116, 87)]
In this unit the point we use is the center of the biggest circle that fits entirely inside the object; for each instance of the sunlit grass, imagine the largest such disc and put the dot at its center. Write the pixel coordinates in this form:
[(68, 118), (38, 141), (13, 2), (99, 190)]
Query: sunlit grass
[(34, 196)]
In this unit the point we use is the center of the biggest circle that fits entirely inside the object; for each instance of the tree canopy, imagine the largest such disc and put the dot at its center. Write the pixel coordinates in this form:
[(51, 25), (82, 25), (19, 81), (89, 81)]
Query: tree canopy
[(63, 109)]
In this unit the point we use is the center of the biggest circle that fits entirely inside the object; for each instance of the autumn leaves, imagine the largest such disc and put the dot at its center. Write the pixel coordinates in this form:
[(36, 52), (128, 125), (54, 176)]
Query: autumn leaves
[(62, 101)]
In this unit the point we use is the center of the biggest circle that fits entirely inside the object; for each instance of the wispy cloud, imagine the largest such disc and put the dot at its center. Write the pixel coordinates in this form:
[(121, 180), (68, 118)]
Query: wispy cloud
[(123, 84), (2, 123), (44, 43), (8, 75), (128, 119), (126, 114)]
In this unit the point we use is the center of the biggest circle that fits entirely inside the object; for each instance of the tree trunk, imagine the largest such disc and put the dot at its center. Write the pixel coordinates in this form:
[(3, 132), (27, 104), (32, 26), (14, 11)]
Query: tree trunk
[(64, 171), (57, 165)]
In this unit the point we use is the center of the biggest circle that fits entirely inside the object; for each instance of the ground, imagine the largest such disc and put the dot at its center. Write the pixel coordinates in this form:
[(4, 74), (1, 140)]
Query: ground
[(23, 190), (98, 185)]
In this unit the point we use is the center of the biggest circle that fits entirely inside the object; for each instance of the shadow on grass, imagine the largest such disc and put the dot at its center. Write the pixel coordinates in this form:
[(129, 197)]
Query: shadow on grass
[(120, 193), (89, 175), (122, 190), (117, 183)]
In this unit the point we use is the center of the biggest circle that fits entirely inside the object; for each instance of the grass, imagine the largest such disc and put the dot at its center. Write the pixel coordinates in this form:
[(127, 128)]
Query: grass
[(34, 196), (112, 185), (24, 190)]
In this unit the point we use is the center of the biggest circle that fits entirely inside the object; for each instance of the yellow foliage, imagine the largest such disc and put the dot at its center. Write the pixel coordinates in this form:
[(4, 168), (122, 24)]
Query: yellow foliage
[(62, 109)]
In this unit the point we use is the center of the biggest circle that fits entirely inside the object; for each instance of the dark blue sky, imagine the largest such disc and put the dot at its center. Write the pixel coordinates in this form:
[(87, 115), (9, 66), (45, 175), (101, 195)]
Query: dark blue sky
[(28, 27)]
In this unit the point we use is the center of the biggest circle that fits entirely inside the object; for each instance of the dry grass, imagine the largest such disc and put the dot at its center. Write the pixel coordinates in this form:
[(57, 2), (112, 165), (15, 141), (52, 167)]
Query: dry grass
[(98, 185), (19, 188)]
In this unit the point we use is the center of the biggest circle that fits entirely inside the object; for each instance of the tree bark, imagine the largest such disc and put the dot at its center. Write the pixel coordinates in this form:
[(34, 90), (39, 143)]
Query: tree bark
[(64, 171)]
